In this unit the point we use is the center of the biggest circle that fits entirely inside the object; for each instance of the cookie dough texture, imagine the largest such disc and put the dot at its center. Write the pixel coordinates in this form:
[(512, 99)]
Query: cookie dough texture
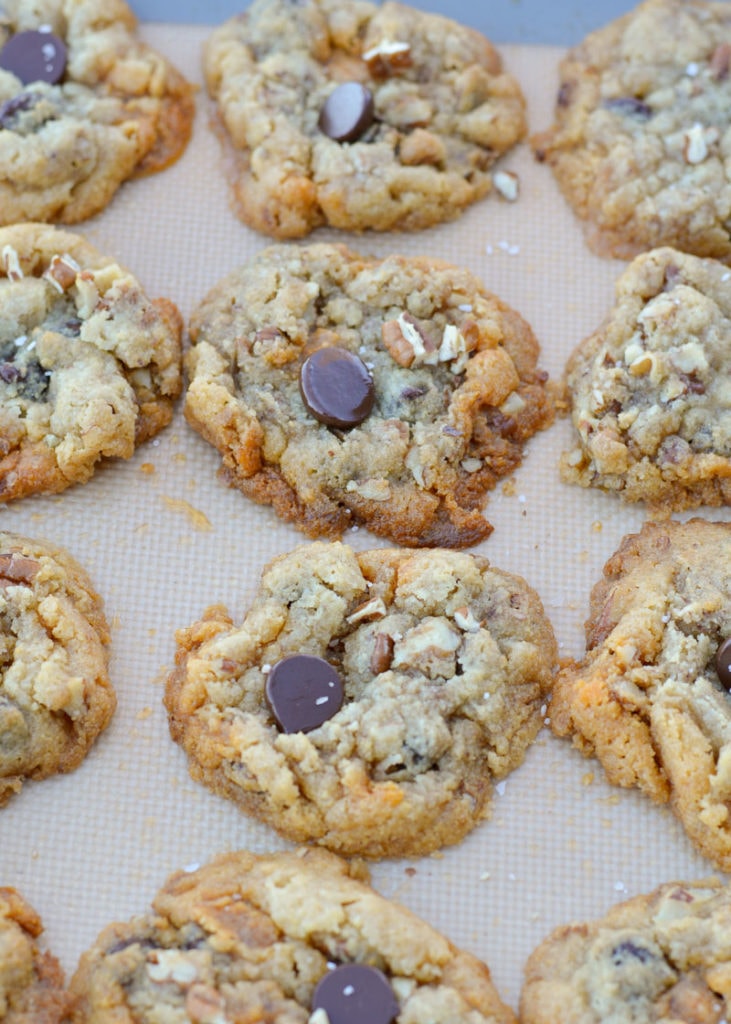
[(55, 694), (458, 392), (444, 112), (650, 389), (247, 938), (664, 956), (120, 110), (640, 143), (646, 699), (89, 366), (445, 661), (31, 980)]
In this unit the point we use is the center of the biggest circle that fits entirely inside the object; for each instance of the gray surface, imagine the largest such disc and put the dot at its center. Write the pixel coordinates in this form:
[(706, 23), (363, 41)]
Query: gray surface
[(503, 21)]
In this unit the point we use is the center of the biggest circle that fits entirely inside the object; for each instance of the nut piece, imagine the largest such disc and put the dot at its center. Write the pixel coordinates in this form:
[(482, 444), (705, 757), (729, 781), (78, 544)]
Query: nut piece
[(171, 965), (88, 294), (62, 272), (373, 609), (721, 61), (405, 341), (508, 184), (17, 568), (382, 654), (387, 58), (695, 147), (11, 263), (466, 620)]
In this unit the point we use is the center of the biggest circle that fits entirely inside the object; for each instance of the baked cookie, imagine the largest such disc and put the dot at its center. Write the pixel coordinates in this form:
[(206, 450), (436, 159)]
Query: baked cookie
[(367, 701), (89, 365), (650, 390), (651, 698), (31, 980), (55, 694), (287, 938), (639, 146), (344, 389), (658, 957), (84, 105), (346, 113)]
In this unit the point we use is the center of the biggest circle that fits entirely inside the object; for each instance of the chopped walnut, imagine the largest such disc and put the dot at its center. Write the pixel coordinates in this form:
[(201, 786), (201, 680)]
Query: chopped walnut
[(405, 341)]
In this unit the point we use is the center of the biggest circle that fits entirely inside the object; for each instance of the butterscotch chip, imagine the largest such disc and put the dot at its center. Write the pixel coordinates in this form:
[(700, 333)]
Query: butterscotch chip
[(55, 694), (663, 956), (432, 392), (90, 366), (441, 661), (84, 106), (248, 938), (650, 389), (357, 115), (647, 699), (638, 146), (31, 979)]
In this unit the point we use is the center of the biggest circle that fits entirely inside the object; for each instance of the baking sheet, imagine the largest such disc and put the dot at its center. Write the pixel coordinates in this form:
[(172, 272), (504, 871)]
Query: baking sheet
[(162, 538)]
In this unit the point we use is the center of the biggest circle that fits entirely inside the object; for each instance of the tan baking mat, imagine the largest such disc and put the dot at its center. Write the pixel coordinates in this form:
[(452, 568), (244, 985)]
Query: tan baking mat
[(162, 538)]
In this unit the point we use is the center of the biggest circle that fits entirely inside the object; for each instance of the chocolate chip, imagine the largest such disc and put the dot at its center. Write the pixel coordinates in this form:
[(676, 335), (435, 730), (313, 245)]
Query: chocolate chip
[(35, 56), (303, 692), (630, 106), (16, 105), (347, 112), (356, 994), (723, 663), (336, 387)]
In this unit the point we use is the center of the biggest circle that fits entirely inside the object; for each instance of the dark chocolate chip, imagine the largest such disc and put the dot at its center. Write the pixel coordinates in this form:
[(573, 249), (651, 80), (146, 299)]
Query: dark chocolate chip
[(35, 56), (303, 692), (336, 387), (630, 106), (356, 994), (347, 112), (723, 663), (628, 951), (16, 105)]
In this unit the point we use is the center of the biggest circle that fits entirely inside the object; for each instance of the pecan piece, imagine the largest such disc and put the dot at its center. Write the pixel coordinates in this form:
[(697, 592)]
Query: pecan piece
[(15, 568)]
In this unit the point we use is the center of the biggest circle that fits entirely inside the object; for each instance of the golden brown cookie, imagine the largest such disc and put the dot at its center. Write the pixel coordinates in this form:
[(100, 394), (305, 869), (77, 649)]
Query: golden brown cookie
[(650, 389), (55, 694), (84, 105), (31, 980), (344, 389), (650, 699), (422, 682), (357, 115), (663, 956), (252, 938), (89, 365), (639, 146)]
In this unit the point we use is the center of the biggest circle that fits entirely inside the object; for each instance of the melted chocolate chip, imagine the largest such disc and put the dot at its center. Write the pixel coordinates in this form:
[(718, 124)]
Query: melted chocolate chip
[(303, 692), (14, 106), (347, 113), (723, 663), (35, 56), (356, 994), (336, 387)]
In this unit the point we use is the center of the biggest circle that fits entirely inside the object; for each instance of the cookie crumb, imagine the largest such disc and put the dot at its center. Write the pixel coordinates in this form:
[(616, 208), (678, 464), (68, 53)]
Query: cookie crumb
[(199, 520)]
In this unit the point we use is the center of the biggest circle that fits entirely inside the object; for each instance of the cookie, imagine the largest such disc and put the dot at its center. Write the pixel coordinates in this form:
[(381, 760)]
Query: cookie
[(345, 389), (31, 980), (89, 366), (84, 105), (359, 116), (55, 694), (251, 938), (650, 699), (663, 956), (639, 142), (650, 389), (422, 684)]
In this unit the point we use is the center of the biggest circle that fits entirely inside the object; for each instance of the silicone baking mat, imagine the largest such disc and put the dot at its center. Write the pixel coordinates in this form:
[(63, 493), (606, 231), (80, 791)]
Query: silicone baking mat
[(162, 538)]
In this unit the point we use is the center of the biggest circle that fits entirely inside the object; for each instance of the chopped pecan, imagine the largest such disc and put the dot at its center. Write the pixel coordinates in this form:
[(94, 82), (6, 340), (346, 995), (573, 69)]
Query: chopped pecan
[(721, 61), (62, 272), (382, 653), (373, 609), (16, 568), (388, 58)]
